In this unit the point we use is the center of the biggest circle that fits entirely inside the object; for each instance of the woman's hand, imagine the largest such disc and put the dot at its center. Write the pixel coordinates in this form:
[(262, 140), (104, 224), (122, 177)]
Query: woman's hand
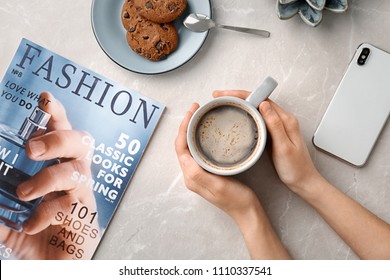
[(226, 193), (47, 233), (233, 197), (289, 151)]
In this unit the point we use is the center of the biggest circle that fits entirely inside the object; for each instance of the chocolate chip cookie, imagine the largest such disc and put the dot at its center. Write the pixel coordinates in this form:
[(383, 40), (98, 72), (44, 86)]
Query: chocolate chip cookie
[(147, 38), (160, 11)]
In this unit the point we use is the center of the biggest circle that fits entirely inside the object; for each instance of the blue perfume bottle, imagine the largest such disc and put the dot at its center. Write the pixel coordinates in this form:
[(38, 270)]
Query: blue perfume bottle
[(16, 167)]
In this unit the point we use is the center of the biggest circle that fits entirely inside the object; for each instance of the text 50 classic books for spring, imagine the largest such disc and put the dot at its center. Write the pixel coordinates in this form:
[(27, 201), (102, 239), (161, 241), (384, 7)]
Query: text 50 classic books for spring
[(70, 141)]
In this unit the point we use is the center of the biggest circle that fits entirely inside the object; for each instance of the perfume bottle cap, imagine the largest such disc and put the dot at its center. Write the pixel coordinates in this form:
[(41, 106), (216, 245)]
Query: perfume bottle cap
[(35, 124), (40, 117)]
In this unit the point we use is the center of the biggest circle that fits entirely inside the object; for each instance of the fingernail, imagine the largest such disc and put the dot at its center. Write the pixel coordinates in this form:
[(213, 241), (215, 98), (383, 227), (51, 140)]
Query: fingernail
[(37, 147), (24, 190), (217, 93), (266, 107)]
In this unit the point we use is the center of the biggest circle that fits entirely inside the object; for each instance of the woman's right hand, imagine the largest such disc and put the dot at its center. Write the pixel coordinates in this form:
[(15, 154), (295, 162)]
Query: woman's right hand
[(289, 151)]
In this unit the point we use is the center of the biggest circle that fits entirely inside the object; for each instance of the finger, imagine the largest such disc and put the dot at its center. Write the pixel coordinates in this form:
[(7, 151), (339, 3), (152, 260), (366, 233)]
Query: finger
[(243, 94), (197, 179), (58, 120), (83, 191), (46, 214), (181, 139), (274, 123), (51, 212), (290, 122), (58, 177), (58, 144)]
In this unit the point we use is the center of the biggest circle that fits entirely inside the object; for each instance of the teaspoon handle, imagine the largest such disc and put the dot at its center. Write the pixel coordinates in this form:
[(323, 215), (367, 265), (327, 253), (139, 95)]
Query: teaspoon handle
[(259, 32)]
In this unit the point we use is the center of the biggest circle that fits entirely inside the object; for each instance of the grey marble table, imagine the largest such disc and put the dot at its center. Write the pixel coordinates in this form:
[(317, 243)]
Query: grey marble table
[(158, 217)]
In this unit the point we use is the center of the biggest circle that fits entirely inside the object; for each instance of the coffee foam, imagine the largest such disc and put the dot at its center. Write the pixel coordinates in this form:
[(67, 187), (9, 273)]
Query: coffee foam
[(227, 136)]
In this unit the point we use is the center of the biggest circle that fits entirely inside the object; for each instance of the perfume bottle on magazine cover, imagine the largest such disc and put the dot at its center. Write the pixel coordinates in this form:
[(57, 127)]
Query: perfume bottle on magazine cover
[(16, 167)]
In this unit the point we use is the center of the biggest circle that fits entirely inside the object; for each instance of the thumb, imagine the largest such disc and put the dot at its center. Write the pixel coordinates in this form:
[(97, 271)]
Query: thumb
[(274, 123)]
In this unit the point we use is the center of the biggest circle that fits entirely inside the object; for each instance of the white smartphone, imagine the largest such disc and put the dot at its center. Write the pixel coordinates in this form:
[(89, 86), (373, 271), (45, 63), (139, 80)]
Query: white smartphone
[(359, 109)]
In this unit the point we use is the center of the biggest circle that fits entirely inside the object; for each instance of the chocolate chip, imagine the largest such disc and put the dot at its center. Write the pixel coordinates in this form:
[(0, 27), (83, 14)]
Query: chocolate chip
[(149, 5), (132, 29), (160, 45), (126, 15), (138, 50), (172, 7), (145, 37), (163, 26), (163, 56)]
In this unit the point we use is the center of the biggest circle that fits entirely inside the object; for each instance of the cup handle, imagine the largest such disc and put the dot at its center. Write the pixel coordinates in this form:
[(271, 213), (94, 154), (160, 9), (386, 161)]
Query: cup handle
[(262, 92)]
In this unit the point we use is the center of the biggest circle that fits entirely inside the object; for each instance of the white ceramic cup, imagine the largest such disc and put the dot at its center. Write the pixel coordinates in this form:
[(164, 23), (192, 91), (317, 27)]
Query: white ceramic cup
[(227, 135)]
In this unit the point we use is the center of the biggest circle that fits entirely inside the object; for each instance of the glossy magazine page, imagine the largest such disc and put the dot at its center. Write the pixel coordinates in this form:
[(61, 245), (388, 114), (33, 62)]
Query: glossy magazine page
[(70, 141)]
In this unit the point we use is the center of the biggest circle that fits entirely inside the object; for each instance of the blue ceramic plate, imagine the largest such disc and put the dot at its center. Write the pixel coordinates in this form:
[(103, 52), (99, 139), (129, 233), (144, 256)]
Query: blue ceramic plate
[(111, 36)]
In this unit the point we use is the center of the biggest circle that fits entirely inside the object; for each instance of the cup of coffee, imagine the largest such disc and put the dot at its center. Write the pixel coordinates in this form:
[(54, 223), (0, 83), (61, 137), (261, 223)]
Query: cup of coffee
[(228, 135)]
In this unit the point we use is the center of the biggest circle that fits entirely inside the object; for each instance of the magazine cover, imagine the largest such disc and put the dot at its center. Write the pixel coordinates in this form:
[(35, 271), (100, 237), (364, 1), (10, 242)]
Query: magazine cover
[(70, 141)]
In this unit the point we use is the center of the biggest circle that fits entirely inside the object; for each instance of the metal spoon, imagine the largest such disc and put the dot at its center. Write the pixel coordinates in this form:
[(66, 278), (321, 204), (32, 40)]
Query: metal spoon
[(201, 23)]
